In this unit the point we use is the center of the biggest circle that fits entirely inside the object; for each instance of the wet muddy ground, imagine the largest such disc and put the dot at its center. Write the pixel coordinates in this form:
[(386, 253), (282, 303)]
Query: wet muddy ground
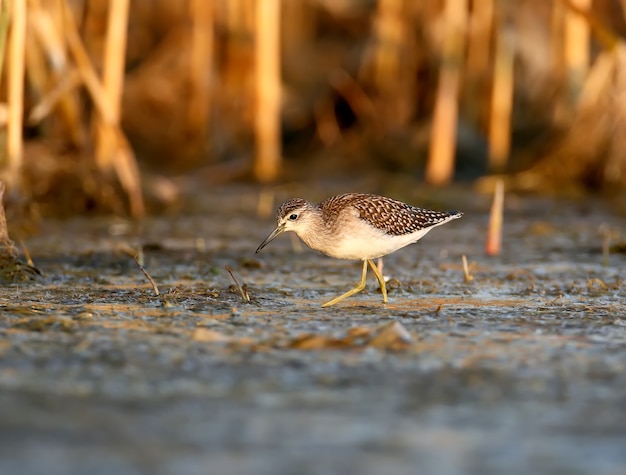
[(522, 370)]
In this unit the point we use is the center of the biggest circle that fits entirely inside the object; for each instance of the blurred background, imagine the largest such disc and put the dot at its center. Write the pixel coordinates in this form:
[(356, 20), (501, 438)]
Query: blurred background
[(109, 105)]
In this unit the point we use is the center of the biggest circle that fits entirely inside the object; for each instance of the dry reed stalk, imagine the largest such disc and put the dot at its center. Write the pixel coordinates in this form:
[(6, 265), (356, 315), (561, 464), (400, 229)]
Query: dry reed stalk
[(591, 153), (440, 166), (15, 80), (128, 173), (123, 161), (44, 107), (85, 67), (46, 31), (389, 31), (112, 80), (5, 16), (5, 241), (606, 37), (268, 84), (493, 245), (393, 66), (481, 22), (598, 81), (561, 107), (56, 13), (241, 14), (576, 47), (298, 27), (265, 203), (60, 91), (557, 35), (327, 127), (501, 100), (350, 89), (37, 71), (614, 169), (478, 66), (11, 269), (201, 64)]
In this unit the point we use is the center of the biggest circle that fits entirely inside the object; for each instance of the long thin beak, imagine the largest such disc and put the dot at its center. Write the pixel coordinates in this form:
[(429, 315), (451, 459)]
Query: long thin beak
[(279, 230)]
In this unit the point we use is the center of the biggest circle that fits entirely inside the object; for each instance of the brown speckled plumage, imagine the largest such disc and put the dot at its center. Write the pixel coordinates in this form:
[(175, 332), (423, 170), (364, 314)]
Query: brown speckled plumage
[(391, 216)]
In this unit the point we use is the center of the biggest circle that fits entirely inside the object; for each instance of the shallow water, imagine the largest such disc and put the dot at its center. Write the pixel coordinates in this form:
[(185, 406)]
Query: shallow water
[(521, 370)]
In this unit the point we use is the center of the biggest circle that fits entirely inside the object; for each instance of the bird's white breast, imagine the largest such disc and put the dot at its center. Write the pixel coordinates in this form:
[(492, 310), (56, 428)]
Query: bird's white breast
[(366, 242)]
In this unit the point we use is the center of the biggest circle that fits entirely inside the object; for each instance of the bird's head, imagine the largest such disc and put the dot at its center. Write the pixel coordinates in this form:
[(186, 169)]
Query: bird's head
[(293, 215)]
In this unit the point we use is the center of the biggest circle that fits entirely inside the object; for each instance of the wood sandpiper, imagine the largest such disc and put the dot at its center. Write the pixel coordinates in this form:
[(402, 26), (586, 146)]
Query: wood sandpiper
[(357, 226)]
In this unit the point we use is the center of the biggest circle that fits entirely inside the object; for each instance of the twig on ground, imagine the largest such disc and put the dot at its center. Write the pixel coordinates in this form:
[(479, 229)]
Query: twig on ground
[(26, 253), (145, 272), (243, 291), (468, 277), (494, 232), (607, 236)]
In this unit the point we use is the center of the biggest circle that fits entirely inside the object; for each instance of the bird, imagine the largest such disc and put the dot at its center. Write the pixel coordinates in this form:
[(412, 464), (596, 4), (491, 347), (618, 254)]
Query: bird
[(356, 226)]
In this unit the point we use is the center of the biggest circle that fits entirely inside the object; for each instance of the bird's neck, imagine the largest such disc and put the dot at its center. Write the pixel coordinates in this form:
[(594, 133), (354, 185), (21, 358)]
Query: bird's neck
[(316, 235)]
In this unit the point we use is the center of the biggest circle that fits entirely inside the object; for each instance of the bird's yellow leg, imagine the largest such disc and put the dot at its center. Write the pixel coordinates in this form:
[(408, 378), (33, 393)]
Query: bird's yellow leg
[(381, 280), (360, 286)]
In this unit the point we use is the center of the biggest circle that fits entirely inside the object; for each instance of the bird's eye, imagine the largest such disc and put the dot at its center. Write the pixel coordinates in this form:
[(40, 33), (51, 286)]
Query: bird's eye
[(293, 217)]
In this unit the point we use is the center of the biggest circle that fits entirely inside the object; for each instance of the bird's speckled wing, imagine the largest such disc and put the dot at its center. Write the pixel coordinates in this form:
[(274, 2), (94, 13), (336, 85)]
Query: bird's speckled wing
[(391, 216)]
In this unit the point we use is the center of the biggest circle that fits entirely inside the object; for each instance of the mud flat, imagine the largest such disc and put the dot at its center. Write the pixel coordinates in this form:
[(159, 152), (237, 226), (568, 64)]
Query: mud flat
[(521, 370)]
